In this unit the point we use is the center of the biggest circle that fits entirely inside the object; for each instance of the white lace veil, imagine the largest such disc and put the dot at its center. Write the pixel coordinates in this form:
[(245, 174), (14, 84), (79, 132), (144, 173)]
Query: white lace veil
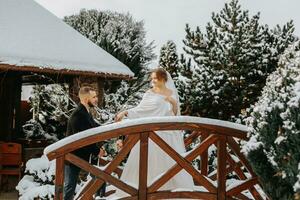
[(171, 85)]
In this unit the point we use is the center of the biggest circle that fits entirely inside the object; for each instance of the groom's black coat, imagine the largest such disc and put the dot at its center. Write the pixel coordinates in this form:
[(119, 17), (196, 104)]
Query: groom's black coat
[(82, 120)]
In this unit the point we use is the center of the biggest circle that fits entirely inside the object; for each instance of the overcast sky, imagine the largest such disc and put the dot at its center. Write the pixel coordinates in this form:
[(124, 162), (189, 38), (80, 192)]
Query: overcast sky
[(165, 19)]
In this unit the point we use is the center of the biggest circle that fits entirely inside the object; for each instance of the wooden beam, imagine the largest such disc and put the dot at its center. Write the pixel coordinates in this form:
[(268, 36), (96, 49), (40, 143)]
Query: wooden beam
[(204, 157), (46, 70), (237, 150), (225, 131), (130, 142), (100, 174), (129, 198), (191, 138), (143, 168), (84, 190), (187, 195), (229, 169), (240, 197), (129, 130), (59, 178), (237, 169), (185, 164), (221, 167), (176, 168), (118, 170), (243, 186)]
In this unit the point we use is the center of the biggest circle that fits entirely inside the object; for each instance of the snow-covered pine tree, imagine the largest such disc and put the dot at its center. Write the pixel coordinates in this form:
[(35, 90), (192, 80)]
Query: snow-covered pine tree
[(119, 34), (51, 109), (278, 39), (274, 122), (231, 60), (168, 58), (184, 84)]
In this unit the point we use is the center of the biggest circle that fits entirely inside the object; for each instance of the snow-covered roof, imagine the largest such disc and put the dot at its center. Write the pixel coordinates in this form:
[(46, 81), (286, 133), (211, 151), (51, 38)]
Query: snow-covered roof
[(33, 38), (141, 121)]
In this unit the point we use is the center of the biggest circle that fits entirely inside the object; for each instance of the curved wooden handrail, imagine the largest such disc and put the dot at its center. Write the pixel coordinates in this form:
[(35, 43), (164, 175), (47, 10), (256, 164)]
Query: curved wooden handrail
[(211, 131), (130, 127)]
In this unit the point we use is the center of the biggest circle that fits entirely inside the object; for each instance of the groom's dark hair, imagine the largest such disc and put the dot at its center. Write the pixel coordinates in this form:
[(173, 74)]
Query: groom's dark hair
[(160, 73)]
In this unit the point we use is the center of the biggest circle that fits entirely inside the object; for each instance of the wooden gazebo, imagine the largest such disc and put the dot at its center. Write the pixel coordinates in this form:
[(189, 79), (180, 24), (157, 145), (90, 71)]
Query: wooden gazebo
[(221, 134), (35, 44)]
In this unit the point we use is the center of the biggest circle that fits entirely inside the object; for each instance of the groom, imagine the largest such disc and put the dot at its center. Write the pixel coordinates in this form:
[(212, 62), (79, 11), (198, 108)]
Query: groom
[(81, 120)]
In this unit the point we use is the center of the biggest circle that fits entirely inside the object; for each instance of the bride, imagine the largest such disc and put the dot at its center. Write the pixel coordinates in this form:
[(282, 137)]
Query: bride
[(161, 100)]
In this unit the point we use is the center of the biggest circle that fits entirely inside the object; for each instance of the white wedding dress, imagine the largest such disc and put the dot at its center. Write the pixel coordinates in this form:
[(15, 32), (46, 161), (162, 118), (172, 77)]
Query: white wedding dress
[(154, 105)]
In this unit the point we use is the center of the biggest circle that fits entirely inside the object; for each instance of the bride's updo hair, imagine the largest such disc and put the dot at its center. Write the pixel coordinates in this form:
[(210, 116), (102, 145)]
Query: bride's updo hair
[(161, 74)]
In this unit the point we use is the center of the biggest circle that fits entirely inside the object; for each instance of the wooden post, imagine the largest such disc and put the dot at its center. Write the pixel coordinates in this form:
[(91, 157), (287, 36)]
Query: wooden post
[(204, 157), (10, 97), (143, 168), (221, 168), (59, 177), (100, 91)]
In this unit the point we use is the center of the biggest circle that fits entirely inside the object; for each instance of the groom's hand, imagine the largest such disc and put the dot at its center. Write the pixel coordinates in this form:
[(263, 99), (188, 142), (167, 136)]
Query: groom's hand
[(119, 144), (102, 153)]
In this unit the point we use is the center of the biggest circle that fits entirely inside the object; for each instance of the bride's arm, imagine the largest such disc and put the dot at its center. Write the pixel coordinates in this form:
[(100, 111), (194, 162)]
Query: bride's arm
[(141, 110), (173, 103)]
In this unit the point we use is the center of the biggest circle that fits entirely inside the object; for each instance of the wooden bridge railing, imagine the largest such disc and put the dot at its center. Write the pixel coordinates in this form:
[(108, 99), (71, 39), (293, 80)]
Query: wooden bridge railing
[(212, 132)]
